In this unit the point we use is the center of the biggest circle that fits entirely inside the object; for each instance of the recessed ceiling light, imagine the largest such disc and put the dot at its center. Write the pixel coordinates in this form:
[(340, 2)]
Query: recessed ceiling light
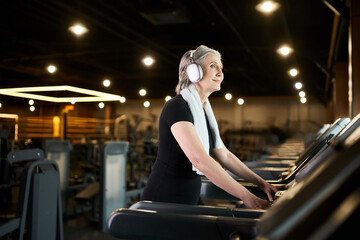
[(146, 104), (106, 83), (240, 101), (142, 92), (267, 7), (122, 99), (298, 85), (293, 72), (284, 50), (101, 105), (148, 61), (78, 29), (51, 69), (228, 96)]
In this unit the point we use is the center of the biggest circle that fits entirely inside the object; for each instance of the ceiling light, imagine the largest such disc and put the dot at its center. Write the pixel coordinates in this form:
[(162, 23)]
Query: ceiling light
[(303, 100), (0, 105), (142, 92), (293, 72), (78, 29), (148, 61), (72, 101), (146, 104), (228, 96), (240, 101), (32, 108), (122, 99), (95, 96), (298, 85), (101, 105), (7, 115), (31, 102), (301, 94), (167, 98), (267, 7), (51, 69), (106, 83), (284, 50)]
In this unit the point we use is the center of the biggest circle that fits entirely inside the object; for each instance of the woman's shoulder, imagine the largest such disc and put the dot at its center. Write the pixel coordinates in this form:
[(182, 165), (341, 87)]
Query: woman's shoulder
[(177, 109), (177, 101)]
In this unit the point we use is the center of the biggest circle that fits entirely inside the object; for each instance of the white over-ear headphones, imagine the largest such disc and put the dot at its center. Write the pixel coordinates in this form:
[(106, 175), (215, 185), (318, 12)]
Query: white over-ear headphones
[(194, 70)]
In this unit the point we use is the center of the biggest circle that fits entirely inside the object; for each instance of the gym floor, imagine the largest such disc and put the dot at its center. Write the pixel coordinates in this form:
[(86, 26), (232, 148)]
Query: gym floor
[(81, 228)]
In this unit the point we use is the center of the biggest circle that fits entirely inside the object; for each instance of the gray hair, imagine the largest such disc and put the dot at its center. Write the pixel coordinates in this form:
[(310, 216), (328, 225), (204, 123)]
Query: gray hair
[(199, 55)]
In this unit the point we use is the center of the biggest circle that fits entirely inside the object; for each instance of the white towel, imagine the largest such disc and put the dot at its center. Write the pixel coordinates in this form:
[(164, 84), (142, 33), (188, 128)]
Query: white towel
[(191, 96)]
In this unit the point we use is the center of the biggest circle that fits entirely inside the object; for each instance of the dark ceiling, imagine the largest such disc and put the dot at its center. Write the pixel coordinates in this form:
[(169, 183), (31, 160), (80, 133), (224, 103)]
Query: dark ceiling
[(35, 34)]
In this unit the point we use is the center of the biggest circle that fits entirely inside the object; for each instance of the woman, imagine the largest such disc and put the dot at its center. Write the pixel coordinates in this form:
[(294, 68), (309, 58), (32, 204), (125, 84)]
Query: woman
[(190, 144)]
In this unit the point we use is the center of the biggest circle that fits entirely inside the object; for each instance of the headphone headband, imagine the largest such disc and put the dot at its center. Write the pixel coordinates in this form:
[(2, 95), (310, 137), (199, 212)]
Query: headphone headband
[(192, 56)]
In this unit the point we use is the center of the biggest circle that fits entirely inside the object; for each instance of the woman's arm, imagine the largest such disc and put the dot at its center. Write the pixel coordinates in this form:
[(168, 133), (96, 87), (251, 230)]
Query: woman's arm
[(236, 166), (185, 134)]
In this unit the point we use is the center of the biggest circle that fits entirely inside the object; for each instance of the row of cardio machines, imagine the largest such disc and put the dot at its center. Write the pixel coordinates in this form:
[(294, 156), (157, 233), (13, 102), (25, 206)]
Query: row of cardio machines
[(319, 198), (106, 193), (43, 186)]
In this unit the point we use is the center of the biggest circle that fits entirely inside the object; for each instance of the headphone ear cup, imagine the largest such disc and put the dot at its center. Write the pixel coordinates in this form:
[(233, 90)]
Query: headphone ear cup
[(194, 72)]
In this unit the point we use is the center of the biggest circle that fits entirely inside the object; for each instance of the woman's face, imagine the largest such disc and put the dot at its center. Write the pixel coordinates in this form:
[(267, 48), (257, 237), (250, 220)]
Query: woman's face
[(213, 75)]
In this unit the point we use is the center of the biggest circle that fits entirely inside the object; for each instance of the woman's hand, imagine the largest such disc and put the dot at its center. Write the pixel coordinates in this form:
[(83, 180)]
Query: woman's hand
[(254, 202), (269, 189)]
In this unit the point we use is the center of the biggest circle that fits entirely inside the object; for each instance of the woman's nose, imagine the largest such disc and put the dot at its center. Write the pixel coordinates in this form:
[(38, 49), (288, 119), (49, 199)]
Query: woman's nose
[(220, 72)]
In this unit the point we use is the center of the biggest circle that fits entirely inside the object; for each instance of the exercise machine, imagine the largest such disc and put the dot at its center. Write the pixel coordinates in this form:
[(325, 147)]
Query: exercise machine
[(322, 205), (338, 130), (38, 214), (113, 183)]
